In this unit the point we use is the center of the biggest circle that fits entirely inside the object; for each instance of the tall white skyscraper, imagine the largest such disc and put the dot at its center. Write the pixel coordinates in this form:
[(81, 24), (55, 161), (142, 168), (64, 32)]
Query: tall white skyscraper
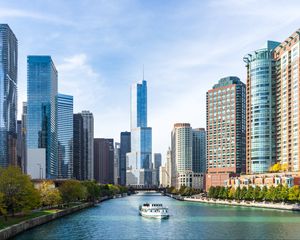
[(139, 159)]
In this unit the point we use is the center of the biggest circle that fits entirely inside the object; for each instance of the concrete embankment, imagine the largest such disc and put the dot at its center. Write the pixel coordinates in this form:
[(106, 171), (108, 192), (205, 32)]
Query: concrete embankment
[(270, 205), (13, 230)]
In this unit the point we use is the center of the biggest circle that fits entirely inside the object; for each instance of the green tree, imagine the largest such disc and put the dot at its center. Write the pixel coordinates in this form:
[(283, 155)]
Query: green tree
[(50, 196), (3, 210), (250, 193), (243, 193), (237, 194), (72, 190), (211, 192), (19, 194), (284, 193), (256, 193), (231, 193), (271, 194), (263, 193), (93, 190), (294, 194)]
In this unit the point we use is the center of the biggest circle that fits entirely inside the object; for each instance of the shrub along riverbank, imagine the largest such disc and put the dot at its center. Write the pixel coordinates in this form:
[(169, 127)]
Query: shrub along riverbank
[(281, 193), (20, 201)]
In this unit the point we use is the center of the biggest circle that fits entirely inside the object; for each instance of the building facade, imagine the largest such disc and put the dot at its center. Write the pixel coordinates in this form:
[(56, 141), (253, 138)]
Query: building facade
[(287, 76), (156, 166), (88, 141), (125, 147), (199, 150), (117, 153), (139, 170), (42, 112), (261, 100), (104, 160), (78, 148), (8, 96), (182, 143), (65, 135)]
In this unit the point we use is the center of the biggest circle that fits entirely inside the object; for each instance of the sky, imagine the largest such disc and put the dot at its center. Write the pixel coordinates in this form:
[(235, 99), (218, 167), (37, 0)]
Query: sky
[(99, 48)]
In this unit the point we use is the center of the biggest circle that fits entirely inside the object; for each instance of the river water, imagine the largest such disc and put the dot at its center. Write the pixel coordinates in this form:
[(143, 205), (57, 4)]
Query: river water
[(119, 219)]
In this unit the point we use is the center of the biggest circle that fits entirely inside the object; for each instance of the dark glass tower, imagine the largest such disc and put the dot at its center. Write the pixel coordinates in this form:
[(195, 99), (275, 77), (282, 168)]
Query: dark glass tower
[(199, 150), (124, 149), (42, 110), (8, 95), (65, 135), (78, 147)]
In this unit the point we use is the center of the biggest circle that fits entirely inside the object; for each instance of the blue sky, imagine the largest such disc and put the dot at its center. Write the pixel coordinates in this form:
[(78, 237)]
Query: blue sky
[(99, 48)]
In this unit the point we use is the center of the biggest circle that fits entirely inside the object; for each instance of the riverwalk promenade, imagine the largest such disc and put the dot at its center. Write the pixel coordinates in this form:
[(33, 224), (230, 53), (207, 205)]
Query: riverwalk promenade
[(243, 203)]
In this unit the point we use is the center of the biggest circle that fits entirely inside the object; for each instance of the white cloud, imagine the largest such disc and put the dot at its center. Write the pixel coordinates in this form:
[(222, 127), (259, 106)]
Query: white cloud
[(78, 78)]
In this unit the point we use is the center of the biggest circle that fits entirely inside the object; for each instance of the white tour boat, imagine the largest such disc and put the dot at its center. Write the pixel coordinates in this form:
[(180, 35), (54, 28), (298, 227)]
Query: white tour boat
[(153, 210)]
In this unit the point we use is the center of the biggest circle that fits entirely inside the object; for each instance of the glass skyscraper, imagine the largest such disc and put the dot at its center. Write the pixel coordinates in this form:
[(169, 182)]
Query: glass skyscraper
[(8, 95), (261, 100), (139, 159), (125, 147), (199, 150), (42, 111), (65, 135)]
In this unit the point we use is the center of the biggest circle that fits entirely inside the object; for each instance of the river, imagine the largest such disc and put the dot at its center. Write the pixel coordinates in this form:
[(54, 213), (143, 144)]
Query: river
[(119, 219)]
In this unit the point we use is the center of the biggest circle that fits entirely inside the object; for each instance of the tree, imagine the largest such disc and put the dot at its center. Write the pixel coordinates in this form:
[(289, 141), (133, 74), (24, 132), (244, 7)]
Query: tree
[(231, 193), (294, 194), (50, 196), (250, 193), (72, 190), (243, 192), (19, 194), (263, 193), (271, 194), (3, 210), (93, 190), (257, 193), (211, 192), (237, 194), (275, 168), (284, 193)]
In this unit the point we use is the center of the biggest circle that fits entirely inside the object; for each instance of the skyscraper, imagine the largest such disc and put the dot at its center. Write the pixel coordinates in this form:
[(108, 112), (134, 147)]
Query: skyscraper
[(261, 100), (139, 159), (104, 160), (117, 153), (125, 147), (181, 141), (42, 116), (8, 96), (287, 117), (65, 135), (24, 137), (157, 164), (226, 130), (78, 148), (83, 146), (199, 150)]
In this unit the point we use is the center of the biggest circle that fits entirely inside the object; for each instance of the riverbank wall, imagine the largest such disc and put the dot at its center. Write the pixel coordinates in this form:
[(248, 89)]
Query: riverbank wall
[(242, 203), (16, 229)]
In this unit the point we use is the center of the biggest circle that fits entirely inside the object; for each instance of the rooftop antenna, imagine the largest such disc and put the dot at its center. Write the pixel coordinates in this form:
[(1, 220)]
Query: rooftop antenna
[(143, 73)]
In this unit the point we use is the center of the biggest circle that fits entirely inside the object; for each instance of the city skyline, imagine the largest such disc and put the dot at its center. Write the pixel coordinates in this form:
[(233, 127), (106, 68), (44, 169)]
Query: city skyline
[(172, 62)]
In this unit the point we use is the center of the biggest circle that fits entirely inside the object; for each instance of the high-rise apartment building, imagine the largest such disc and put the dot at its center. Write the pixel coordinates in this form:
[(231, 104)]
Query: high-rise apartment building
[(83, 146), (8, 96), (104, 160), (139, 159), (287, 117), (65, 135), (42, 116), (24, 137), (182, 141), (170, 169), (199, 150), (261, 100), (226, 126), (125, 147)]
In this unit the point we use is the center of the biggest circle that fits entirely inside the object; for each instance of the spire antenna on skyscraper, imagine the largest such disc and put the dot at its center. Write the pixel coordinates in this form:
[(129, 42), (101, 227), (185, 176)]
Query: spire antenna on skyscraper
[(143, 73)]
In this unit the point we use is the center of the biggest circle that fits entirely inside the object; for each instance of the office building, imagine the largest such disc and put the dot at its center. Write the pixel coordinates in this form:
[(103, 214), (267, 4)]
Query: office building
[(65, 135), (79, 168), (226, 130), (199, 150), (117, 153), (88, 141), (42, 116), (156, 166), (125, 147), (139, 170), (104, 160), (8, 96)]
